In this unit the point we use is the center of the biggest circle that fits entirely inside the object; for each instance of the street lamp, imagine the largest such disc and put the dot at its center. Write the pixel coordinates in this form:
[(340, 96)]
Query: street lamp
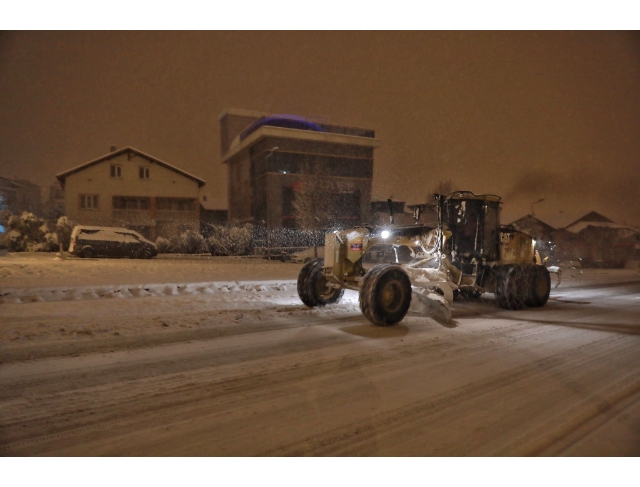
[(534, 203)]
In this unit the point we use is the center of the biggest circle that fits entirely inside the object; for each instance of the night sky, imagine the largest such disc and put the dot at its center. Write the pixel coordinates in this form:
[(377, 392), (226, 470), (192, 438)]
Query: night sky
[(525, 115)]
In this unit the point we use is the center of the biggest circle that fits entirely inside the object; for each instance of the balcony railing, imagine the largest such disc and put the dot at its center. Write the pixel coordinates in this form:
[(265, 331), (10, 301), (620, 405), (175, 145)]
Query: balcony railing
[(143, 217), (177, 215), (132, 215)]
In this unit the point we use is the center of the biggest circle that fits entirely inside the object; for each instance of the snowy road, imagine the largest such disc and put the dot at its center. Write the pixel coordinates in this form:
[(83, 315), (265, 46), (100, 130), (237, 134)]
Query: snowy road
[(254, 372)]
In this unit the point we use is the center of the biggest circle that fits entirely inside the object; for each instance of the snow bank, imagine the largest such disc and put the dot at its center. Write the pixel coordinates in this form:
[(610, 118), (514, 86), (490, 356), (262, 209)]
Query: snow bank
[(51, 294)]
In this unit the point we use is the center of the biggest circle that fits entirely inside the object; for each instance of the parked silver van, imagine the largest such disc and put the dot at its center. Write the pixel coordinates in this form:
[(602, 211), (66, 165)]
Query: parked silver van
[(88, 241)]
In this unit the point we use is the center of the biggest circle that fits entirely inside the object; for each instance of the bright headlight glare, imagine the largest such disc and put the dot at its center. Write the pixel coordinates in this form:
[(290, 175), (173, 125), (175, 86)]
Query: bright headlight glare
[(384, 234)]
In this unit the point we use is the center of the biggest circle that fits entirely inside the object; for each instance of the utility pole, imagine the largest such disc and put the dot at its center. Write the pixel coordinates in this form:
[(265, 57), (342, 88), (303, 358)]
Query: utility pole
[(534, 203)]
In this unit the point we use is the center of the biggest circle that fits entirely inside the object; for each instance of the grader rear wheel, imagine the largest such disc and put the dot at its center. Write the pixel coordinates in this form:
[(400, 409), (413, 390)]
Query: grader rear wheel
[(512, 289), (539, 286)]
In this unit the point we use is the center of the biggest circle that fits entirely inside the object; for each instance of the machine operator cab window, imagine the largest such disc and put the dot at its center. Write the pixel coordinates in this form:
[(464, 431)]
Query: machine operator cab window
[(390, 254)]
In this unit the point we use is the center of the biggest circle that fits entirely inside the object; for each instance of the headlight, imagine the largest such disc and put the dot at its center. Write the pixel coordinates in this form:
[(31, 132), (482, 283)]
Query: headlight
[(384, 234)]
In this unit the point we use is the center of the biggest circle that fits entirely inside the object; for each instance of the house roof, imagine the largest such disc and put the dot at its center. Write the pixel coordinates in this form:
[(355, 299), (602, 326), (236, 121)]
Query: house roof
[(594, 219), (63, 175), (592, 216), (13, 183), (530, 219), (578, 227)]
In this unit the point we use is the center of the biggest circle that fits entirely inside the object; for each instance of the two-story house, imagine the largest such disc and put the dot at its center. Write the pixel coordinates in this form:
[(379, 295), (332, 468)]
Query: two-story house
[(128, 188)]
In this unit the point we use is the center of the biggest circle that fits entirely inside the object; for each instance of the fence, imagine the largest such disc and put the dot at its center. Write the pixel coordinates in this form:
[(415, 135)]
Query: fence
[(275, 242)]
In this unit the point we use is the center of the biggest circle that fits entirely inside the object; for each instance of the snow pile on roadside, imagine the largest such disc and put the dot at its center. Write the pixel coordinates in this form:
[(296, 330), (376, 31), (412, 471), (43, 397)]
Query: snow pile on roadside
[(50, 294)]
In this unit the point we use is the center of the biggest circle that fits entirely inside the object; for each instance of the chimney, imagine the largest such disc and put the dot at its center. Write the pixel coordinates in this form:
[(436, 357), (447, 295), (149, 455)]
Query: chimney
[(113, 148)]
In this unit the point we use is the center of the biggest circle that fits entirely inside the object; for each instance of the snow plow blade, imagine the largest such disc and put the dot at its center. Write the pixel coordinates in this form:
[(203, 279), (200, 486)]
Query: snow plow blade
[(430, 304)]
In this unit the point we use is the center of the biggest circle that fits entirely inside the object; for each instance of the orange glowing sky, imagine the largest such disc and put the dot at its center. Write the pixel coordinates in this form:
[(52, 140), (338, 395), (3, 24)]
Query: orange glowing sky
[(525, 115)]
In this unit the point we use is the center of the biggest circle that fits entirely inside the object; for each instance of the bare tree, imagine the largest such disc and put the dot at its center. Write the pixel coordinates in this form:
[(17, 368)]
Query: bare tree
[(312, 202)]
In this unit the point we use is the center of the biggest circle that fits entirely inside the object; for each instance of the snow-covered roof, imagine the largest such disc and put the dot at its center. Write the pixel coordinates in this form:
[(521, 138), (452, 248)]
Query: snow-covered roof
[(592, 216), (532, 220), (578, 227), (62, 176), (594, 219)]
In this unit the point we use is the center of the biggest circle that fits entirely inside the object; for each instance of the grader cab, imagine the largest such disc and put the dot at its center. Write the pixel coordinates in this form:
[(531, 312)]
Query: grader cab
[(467, 251)]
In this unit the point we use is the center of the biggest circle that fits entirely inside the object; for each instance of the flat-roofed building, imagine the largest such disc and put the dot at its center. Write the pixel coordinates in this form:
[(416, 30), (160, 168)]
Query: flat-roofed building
[(270, 157), (20, 195), (128, 188)]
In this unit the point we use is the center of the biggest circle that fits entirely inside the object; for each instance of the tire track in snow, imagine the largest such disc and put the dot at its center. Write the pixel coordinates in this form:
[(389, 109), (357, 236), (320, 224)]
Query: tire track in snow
[(351, 439), (104, 414)]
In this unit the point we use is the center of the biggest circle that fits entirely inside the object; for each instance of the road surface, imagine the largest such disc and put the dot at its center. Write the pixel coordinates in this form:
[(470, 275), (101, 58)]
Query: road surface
[(251, 374)]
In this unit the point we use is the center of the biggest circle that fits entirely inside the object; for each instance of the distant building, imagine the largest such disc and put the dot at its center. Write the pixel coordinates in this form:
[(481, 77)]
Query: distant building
[(211, 217), (545, 236), (128, 188), (534, 227), (604, 242), (20, 195), (593, 240), (269, 155), (54, 203)]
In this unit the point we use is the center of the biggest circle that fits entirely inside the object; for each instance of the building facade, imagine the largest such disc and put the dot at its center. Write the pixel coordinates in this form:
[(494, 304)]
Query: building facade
[(275, 161), (591, 241), (20, 195), (603, 242), (128, 188)]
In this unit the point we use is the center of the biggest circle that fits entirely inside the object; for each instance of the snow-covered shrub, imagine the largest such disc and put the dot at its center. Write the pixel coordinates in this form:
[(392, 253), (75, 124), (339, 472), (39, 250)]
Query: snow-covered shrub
[(30, 226), (28, 233), (189, 242), (50, 243), (228, 240), (15, 241), (163, 245), (24, 232), (64, 227)]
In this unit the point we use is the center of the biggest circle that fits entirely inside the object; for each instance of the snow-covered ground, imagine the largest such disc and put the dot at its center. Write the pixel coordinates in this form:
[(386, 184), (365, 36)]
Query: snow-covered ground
[(34, 270), (218, 356)]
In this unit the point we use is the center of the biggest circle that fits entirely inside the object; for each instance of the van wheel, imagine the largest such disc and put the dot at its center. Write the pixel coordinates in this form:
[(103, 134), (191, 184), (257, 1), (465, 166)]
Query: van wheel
[(88, 252), (144, 254), (385, 295)]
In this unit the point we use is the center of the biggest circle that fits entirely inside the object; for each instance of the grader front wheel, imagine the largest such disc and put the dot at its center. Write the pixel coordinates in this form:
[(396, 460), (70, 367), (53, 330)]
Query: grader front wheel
[(312, 286), (385, 295)]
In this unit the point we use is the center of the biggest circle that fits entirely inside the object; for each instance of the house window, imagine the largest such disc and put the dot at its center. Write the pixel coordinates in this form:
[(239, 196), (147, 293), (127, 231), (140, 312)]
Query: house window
[(130, 203), (89, 201), (176, 204), (116, 171), (144, 173)]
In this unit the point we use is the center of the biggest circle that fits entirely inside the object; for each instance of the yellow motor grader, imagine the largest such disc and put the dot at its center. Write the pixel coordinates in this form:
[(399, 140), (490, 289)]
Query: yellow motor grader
[(468, 252)]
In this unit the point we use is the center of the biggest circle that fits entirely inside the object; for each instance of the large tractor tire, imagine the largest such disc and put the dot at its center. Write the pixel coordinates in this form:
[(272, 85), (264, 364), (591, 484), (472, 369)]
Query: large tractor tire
[(539, 286), (512, 288), (312, 286), (385, 295)]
